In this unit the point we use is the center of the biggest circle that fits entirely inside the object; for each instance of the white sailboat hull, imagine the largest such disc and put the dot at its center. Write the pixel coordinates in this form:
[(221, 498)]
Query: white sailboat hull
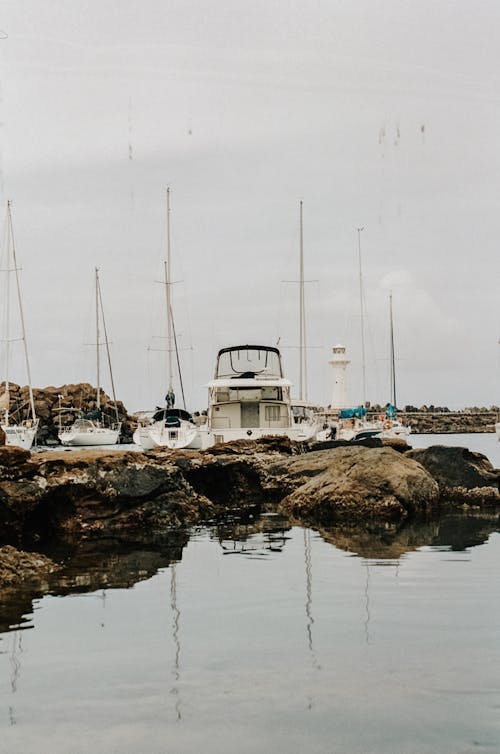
[(141, 437), (76, 436), (397, 430), (162, 436), (358, 430), (19, 435)]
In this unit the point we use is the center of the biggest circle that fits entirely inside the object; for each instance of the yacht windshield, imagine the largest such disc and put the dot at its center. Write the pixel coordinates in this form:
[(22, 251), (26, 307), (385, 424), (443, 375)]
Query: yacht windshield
[(247, 362)]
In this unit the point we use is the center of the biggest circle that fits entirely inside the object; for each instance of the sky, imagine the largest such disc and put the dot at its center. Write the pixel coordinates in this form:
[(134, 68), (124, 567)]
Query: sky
[(380, 115)]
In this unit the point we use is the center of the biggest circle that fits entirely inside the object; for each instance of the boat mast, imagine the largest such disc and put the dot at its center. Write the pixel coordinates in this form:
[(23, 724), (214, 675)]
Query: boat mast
[(168, 293), (361, 304), (7, 270), (108, 354), (21, 312), (97, 340), (393, 360), (302, 315)]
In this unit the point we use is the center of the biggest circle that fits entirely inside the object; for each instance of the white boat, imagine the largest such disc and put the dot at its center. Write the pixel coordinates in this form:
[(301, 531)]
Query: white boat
[(94, 428), (353, 425), (86, 432), (249, 398), (18, 431), (170, 427), (391, 426)]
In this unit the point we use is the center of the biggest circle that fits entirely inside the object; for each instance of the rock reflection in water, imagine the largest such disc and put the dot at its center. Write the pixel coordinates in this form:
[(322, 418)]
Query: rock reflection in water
[(90, 567), (453, 531)]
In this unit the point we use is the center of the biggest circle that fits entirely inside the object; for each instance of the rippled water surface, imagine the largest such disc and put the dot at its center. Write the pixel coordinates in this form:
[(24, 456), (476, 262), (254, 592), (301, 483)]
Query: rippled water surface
[(261, 637)]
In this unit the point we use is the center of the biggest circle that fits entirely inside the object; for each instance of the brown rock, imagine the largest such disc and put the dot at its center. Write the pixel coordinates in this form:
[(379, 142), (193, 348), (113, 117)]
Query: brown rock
[(357, 483)]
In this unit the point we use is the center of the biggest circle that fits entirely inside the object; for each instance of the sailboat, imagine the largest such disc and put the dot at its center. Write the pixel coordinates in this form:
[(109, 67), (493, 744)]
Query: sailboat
[(353, 424), (17, 431), (303, 411), (92, 428), (170, 426), (392, 427)]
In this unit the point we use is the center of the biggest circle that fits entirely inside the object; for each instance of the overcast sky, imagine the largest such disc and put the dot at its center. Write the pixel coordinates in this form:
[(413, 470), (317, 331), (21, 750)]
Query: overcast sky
[(377, 114)]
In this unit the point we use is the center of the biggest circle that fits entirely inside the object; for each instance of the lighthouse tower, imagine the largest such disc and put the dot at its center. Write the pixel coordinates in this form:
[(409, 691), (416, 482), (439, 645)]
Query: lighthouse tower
[(339, 363)]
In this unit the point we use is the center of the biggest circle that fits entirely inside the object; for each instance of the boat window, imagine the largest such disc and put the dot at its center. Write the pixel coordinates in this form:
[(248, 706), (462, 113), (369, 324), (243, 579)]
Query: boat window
[(272, 413), (249, 362)]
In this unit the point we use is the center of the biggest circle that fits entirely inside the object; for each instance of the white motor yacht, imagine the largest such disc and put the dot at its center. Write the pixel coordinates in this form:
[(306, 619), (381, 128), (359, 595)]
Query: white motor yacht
[(249, 398)]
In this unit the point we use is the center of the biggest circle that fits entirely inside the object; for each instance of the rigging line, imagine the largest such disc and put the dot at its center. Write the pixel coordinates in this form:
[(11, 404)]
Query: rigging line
[(178, 360), (21, 314), (106, 340)]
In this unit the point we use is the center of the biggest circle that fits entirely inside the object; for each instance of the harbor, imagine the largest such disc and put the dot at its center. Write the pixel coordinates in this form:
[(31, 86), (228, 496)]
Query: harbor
[(249, 377)]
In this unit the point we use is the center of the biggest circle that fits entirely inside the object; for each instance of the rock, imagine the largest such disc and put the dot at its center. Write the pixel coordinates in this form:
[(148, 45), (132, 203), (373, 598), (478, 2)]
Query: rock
[(17, 566), (133, 495), (356, 484), (461, 473), (397, 443)]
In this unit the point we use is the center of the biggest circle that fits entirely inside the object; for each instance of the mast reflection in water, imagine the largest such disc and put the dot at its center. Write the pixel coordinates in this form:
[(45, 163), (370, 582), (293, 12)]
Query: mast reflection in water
[(336, 640)]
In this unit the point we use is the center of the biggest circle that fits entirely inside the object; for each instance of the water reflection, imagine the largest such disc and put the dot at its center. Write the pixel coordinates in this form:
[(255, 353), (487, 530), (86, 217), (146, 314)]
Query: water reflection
[(385, 545), (91, 567), (254, 538), (94, 567), (176, 615), (340, 640)]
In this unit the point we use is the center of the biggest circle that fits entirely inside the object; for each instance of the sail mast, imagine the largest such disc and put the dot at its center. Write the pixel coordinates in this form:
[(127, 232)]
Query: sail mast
[(362, 315), (97, 340), (21, 312), (7, 315), (393, 360), (108, 354), (302, 315), (168, 283)]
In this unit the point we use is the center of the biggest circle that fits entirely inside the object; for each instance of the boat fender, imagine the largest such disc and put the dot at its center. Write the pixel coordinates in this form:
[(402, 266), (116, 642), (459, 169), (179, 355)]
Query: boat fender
[(249, 432)]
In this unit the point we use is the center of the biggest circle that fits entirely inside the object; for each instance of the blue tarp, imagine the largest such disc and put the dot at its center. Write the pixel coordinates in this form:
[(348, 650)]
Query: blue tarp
[(352, 413)]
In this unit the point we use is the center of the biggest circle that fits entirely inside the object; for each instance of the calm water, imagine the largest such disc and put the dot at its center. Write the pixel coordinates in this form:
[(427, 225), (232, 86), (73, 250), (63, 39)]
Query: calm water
[(265, 638)]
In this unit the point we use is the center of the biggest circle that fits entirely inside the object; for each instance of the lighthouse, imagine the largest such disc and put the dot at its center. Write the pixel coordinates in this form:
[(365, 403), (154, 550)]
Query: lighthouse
[(339, 363)]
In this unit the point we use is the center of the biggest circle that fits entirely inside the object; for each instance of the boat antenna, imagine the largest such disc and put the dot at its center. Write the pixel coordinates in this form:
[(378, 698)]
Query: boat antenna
[(21, 313), (361, 305), (393, 359), (168, 293), (108, 354)]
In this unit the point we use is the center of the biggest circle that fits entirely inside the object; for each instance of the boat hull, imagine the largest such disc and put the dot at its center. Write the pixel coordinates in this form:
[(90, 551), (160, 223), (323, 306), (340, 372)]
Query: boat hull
[(98, 436), (19, 436), (299, 433), (158, 435)]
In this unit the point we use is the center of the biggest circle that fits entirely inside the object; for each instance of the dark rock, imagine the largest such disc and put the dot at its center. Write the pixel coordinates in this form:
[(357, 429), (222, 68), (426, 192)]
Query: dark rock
[(355, 483), (462, 474)]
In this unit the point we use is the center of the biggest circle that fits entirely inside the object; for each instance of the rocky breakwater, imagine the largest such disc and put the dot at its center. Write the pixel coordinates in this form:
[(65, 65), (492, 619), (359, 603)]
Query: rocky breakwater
[(71, 497), (60, 406), (124, 494)]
